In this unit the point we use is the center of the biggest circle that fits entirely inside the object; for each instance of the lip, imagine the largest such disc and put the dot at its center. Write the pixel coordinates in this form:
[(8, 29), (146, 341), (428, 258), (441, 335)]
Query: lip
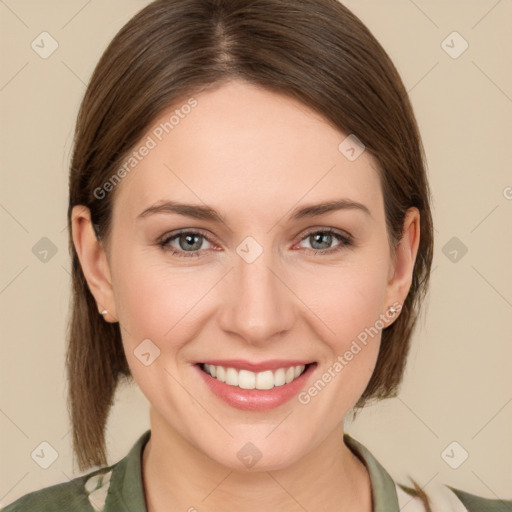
[(256, 399)]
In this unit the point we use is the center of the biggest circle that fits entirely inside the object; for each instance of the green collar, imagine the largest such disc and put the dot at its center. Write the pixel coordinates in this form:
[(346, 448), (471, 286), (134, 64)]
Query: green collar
[(383, 487), (126, 483)]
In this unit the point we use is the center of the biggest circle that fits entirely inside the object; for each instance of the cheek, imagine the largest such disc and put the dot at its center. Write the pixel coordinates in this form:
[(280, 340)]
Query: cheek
[(157, 302), (348, 303), (141, 299), (154, 307), (349, 310), (347, 299), (149, 299)]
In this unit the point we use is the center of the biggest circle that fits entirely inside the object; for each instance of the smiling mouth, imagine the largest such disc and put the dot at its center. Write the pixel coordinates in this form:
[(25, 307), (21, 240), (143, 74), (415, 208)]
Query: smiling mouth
[(246, 379)]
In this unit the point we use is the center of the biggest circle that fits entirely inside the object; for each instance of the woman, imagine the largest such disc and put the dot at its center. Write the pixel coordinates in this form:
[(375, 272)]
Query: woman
[(251, 238)]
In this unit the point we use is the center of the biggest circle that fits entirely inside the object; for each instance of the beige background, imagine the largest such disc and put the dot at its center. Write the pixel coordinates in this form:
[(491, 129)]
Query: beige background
[(458, 385)]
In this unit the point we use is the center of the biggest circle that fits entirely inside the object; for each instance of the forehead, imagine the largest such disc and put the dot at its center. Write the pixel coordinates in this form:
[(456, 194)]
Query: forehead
[(241, 148)]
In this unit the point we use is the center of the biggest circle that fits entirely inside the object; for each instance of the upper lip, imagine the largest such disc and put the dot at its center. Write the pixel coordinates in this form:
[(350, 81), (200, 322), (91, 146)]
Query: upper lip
[(272, 364)]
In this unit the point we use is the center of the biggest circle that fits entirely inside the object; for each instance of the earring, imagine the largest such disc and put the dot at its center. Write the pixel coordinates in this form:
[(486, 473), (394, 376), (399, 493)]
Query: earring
[(104, 312), (393, 310)]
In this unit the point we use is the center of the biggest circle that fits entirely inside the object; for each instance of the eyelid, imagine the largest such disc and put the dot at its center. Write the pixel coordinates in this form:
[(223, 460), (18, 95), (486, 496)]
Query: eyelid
[(325, 229)]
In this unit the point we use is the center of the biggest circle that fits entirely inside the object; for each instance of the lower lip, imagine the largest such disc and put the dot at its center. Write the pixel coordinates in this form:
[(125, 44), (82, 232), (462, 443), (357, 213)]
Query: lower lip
[(256, 399)]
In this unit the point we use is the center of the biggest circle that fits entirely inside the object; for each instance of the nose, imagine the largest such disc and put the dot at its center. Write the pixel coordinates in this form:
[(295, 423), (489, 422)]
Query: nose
[(257, 304)]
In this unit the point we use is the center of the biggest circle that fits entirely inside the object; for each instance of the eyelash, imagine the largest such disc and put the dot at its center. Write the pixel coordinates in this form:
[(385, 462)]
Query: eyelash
[(346, 241)]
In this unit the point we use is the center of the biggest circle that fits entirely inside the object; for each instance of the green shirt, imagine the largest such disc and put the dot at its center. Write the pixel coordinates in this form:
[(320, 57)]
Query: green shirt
[(118, 488)]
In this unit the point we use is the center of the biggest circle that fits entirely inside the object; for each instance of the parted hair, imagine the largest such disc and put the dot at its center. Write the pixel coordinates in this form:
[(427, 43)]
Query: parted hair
[(315, 51)]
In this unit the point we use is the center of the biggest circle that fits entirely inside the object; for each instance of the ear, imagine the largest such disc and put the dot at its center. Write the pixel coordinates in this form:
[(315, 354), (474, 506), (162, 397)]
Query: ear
[(401, 268), (93, 261)]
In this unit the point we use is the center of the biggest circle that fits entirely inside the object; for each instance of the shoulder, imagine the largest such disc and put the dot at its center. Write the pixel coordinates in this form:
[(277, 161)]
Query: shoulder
[(476, 503), (107, 489), (85, 493), (446, 498)]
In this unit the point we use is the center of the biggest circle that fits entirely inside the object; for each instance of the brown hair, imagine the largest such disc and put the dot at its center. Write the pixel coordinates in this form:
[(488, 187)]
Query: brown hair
[(316, 51)]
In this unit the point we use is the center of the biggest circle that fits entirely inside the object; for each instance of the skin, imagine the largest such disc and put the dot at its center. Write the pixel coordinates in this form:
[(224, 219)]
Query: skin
[(253, 155)]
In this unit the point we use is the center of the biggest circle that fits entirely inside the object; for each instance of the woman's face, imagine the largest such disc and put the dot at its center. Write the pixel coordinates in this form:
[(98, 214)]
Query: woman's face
[(244, 286)]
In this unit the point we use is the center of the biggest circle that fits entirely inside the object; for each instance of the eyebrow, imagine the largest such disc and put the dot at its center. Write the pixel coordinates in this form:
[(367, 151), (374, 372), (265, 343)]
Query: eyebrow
[(206, 213)]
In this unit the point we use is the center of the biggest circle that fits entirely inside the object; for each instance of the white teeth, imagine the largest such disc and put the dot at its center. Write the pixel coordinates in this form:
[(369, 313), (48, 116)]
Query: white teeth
[(279, 377), (265, 380), (246, 379), (221, 374), (231, 377)]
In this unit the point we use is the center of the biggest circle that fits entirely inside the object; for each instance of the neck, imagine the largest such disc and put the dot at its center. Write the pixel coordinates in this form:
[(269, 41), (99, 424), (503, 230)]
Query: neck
[(178, 476)]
